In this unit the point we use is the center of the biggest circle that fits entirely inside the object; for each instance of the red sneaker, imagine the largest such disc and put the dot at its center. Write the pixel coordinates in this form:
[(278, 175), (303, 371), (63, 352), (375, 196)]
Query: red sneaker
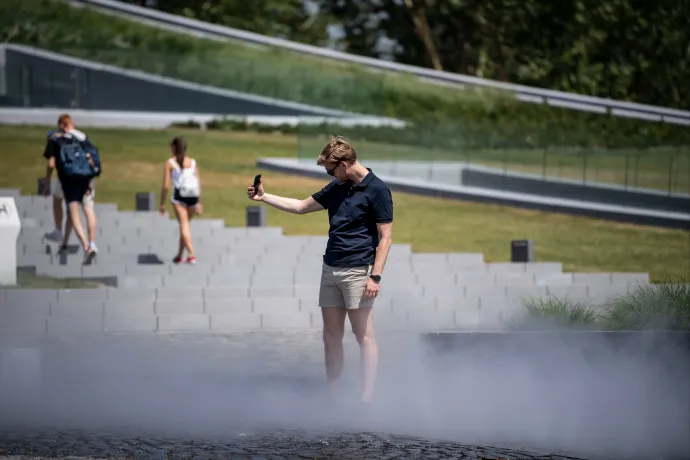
[(191, 260), (177, 260)]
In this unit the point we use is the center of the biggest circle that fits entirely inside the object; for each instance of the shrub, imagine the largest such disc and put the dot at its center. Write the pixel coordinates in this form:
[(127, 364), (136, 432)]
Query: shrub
[(651, 306), (555, 313)]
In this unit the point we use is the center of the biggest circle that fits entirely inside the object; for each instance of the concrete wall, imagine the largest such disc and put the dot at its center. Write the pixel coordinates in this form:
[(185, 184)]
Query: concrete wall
[(39, 78), (574, 190)]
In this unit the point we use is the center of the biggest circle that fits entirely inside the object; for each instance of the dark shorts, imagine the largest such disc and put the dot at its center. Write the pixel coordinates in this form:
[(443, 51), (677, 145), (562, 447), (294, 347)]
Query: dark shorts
[(74, 188), (188, 201)]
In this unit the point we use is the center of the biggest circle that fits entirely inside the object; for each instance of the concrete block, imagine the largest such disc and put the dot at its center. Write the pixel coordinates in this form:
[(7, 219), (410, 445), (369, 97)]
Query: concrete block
[(31, 296), (174, 307), (295, 320), (235, 321), (132, 294), (413, 303), (140, 281), (309, 304), (515, 279), (180, 293), (478, 290), (274, 279), (498, 302), (148, 269), (489, 318), (130, 307), (398, 277), (526, 291), (457, 303), (429, 258), (130, 323), (466, 317), (103, 270), (183, 323), (592, 278), (188, 280), (277, 305), (21, 328), (505, 267), (605, 292), (66, 325), (573, 292), (271, 292), (82, 295), (630, 278), (20, 372), (431, 320), (390, 320), (544, 268), (476, 278), (391, 288), (460, 259), (226, 293), (85, 308), (435, 279), (229, 280), (223, 306), (306, 291), (553, 279)]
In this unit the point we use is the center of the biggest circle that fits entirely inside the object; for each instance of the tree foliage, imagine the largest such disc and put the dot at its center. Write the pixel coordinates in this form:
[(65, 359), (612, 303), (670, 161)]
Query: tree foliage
[(288, 19), (623, 49)]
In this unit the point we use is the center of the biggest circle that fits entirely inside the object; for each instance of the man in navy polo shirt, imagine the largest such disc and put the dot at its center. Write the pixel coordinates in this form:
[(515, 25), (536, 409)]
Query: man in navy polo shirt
[(360, 213)]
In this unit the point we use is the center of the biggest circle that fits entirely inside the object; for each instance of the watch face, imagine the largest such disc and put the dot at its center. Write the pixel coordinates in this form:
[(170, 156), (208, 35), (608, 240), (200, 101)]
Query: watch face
[(375, 277)]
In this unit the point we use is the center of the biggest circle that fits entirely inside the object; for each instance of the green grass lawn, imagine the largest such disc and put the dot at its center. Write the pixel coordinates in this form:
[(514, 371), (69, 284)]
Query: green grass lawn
[(133, 162)]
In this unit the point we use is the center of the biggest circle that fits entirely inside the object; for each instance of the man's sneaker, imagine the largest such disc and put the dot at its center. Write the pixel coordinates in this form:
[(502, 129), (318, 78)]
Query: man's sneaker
[(55, 235), (191, 260), (90, 254)]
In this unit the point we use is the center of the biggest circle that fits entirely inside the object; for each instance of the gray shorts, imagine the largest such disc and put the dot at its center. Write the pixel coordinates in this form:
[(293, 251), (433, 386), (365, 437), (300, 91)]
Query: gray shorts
[(343, 287)]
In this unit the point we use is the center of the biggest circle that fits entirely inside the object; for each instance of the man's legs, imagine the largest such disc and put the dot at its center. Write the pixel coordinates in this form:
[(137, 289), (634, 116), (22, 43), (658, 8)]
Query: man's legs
[(362, 321), (73, 216), (333, 332), (361, 313)]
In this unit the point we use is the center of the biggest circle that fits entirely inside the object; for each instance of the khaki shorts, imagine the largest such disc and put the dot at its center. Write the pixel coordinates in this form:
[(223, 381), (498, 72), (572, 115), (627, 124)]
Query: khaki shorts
[(343, 287)]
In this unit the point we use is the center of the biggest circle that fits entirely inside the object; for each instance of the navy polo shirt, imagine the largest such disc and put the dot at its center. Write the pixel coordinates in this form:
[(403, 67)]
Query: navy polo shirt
[(353, 212)]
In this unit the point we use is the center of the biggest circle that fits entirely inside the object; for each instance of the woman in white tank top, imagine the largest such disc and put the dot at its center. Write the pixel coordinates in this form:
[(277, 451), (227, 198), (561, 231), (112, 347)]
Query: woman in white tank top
[(183, 172)]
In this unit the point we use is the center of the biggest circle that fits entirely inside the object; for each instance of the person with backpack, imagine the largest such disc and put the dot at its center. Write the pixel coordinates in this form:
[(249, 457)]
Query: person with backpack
[(77, 162), (183, 172)]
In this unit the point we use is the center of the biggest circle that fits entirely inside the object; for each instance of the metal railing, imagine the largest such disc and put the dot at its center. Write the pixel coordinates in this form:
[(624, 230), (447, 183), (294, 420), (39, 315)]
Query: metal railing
[(640, 165), (524, 93)]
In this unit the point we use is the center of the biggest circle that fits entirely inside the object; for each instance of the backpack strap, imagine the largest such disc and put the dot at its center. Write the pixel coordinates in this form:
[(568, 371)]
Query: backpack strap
[(174, 164)]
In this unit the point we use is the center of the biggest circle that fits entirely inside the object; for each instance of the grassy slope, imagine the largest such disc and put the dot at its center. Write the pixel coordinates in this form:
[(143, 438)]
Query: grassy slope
[(133, 162), (283, 74)]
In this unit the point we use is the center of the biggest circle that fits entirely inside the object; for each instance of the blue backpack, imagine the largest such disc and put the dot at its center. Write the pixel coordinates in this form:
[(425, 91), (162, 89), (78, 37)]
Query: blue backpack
[(73, 157)]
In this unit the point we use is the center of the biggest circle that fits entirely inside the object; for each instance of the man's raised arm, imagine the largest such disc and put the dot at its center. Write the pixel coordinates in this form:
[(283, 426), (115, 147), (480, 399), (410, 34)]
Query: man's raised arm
[(291, 205)]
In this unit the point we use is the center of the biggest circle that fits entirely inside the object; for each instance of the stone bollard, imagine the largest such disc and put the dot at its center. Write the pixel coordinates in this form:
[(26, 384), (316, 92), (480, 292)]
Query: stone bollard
[(41, 181), (522, 251), (10, 225), (145, 201), (256, 216)]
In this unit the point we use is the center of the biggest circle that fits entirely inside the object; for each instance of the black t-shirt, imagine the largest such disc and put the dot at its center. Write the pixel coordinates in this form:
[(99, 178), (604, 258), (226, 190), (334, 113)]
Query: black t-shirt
[(353, 212)]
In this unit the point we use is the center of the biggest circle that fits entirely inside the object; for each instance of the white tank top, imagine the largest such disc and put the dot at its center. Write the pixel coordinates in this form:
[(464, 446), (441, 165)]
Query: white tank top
[(179, 174)]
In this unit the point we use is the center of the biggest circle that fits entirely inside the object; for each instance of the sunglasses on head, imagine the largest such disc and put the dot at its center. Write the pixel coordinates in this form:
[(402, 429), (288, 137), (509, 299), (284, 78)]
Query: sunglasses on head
[(332, 170)]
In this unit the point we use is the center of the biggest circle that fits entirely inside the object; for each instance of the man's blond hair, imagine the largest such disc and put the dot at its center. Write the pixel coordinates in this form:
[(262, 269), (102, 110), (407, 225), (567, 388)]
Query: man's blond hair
[(337, 150)]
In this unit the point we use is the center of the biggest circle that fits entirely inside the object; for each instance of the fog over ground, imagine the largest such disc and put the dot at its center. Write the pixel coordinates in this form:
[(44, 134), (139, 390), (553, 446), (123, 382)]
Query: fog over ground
[(599, 403)]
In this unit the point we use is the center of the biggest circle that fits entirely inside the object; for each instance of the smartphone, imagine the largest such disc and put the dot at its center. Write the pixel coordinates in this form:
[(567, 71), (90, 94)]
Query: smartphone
[(257, 180)]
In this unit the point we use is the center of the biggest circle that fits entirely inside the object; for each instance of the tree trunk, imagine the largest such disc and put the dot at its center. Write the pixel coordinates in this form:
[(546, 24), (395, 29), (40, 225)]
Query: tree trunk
[(418, 15)]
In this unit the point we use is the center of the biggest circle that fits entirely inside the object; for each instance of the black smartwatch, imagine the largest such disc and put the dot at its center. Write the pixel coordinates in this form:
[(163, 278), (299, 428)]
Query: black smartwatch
[(376, 278)]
